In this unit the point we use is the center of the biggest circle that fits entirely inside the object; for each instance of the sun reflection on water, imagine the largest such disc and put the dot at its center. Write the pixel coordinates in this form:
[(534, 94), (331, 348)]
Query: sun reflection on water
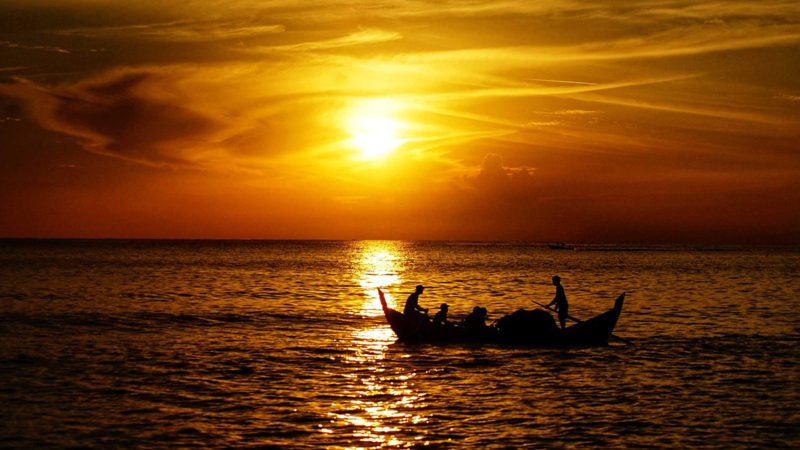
[(379, 266), (384, 407)]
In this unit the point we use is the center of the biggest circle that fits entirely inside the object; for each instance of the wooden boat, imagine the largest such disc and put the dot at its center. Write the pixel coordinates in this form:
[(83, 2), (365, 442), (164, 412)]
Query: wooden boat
[(526, 328)]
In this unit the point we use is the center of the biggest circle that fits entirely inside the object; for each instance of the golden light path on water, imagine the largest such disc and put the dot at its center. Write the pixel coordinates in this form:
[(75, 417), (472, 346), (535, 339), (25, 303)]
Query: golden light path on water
[(378, 267), (383, 398)]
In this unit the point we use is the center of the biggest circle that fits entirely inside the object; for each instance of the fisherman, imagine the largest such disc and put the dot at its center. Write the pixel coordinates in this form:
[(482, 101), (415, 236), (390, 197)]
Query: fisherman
[(441, 316), (412, 303), (476, 320), (560, 302)]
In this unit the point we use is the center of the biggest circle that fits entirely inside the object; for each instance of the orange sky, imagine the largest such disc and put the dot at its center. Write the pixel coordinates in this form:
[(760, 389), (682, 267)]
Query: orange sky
[(656, 121)]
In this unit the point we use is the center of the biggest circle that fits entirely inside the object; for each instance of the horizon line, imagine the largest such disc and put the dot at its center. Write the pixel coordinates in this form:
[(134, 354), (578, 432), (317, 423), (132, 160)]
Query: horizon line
[(587, 244)]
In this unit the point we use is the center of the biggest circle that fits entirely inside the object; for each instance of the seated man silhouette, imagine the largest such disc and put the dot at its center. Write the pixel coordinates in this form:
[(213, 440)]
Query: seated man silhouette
[(476, 320), (441, 316), (412, 308)]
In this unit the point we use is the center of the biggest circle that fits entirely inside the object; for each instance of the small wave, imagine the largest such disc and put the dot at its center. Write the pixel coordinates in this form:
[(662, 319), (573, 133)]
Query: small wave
[(144, 321), (19, 296), (478, 363)]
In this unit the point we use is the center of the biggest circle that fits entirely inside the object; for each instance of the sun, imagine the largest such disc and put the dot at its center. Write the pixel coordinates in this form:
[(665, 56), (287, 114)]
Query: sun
[(375, 137), (375, 131)]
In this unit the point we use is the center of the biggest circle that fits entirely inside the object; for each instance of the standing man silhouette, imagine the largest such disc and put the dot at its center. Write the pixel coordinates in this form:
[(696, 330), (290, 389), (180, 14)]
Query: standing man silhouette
[(560, 302)]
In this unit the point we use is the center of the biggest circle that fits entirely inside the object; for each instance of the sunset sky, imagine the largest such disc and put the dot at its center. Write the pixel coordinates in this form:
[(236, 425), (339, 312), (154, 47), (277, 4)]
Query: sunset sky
[(578, 121)]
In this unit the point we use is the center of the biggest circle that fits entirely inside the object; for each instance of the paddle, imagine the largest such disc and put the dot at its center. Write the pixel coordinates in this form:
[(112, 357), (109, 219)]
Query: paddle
[(574, 319)]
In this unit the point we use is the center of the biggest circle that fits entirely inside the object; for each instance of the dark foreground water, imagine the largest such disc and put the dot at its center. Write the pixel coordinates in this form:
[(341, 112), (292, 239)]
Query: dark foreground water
[(146, 344)]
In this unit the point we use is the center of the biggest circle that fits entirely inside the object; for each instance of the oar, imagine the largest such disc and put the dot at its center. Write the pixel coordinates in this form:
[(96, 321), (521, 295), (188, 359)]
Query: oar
[(574, 319)]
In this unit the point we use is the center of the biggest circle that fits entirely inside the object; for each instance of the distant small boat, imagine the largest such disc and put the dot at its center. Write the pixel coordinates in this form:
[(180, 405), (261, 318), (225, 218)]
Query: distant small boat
[(535, 328), (560, 246)]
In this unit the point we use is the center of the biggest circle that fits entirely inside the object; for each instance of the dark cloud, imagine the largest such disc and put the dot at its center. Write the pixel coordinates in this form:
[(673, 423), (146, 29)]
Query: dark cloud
[(180, 117), (134, 115), (504, 183)]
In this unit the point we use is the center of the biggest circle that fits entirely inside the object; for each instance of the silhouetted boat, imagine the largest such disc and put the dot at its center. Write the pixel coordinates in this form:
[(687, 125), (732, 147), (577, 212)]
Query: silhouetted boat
[(526, 328), (560, 246)]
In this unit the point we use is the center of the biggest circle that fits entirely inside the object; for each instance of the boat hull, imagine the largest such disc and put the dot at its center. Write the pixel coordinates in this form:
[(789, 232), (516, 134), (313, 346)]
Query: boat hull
[(593, 332)]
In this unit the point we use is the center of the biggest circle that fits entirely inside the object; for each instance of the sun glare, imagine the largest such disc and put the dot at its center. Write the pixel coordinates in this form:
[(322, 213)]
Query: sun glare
[(374, 129), (380, 264)]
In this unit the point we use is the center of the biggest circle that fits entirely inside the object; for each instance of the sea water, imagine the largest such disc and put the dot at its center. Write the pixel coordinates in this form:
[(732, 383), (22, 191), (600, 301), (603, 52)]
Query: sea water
[(253, 344)]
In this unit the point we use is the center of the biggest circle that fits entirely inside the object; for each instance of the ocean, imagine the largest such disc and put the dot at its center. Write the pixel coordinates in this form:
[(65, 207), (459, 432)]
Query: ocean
[(282, 344)]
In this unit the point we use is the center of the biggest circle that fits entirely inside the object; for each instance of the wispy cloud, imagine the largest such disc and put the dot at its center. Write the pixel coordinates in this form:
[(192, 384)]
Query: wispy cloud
[(181, 31), (43, 48), (694, 41), (368, 36), (672, 43), (562, 81), (13, 69), (521, 91), (713, 112)]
